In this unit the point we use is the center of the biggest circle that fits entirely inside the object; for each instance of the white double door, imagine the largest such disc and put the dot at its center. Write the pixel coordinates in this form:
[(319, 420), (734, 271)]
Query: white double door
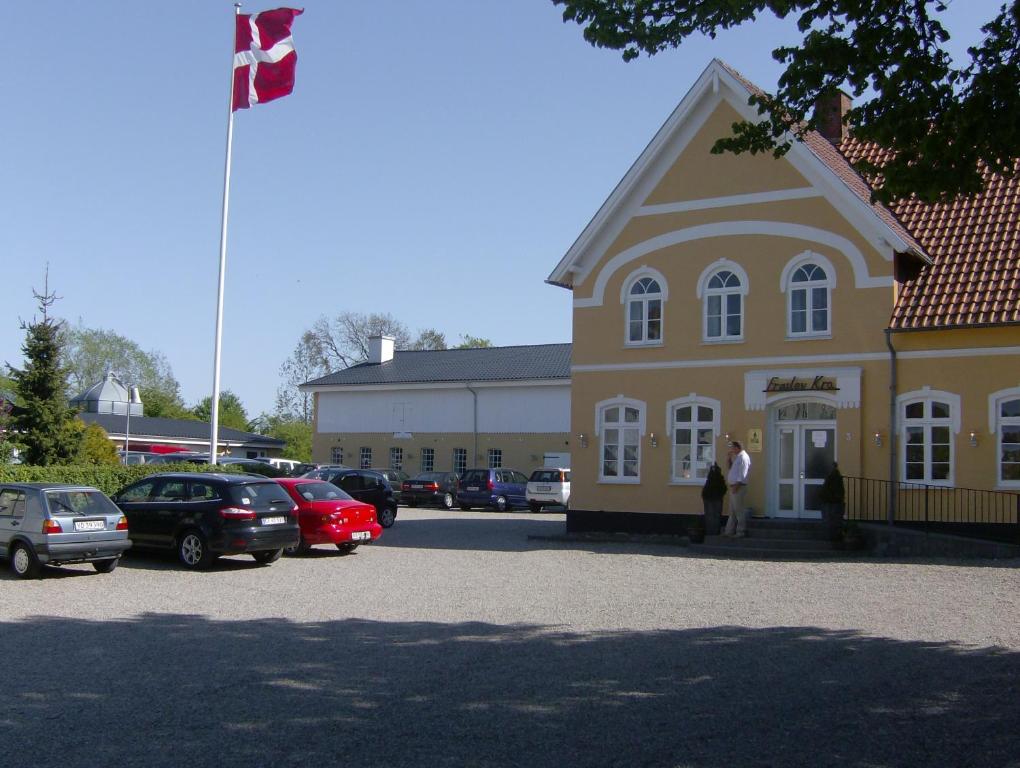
[(805, 454)]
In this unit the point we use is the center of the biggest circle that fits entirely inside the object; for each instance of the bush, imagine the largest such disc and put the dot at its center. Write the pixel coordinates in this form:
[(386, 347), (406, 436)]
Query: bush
[(715, 484), (108, 479)]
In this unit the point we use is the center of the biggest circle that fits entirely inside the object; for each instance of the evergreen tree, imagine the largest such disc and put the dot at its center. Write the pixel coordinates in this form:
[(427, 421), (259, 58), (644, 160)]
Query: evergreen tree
[(43, 422)]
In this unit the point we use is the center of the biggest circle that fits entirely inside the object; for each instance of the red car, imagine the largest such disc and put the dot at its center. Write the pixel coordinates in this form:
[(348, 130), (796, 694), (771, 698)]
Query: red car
[(327, 515)]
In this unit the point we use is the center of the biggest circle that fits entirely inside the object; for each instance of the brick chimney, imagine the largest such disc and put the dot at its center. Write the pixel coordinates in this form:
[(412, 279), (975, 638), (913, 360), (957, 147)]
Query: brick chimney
[(830, 110), (380, 349)]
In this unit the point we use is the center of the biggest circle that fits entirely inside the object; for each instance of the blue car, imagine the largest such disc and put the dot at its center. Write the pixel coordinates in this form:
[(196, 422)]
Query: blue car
[(500, 488)]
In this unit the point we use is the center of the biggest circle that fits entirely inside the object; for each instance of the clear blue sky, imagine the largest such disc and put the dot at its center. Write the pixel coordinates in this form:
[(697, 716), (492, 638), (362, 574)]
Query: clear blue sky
[(435, 161)]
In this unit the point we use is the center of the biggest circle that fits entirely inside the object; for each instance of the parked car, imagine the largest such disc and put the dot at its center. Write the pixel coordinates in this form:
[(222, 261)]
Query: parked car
[(289, 466), (363, 485), (396, 478), (432, 488), (50, 524), (548, 487), (328, 515), (205, 515), (500, 488), (253, 466), (305, 470), (181, 457)]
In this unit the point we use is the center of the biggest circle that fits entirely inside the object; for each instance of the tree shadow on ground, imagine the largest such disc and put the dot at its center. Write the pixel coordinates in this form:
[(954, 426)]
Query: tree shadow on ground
[(170, 690)]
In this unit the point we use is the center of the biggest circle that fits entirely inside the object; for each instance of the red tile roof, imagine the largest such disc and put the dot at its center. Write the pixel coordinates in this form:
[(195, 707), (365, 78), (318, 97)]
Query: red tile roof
[(974, 244)]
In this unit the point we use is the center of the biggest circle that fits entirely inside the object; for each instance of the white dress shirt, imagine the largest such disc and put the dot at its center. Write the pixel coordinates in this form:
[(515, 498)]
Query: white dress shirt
[(740, 469)]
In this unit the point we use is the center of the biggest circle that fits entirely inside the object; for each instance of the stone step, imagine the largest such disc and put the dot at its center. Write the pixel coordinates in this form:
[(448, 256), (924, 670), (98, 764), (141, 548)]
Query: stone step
[(817, 533), (779, 524), (753, 542), (766, 553)]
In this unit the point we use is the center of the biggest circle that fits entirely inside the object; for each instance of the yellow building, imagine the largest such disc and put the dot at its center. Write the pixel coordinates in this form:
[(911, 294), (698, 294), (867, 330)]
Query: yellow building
[(744, 297)]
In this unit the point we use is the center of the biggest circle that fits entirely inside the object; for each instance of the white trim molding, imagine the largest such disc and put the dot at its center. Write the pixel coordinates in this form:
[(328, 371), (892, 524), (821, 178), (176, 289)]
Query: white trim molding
[(994, 400), (644, 271), (620, 400), (802, 258), (846, 395), (786, 229), (751, 198), (694, 399)]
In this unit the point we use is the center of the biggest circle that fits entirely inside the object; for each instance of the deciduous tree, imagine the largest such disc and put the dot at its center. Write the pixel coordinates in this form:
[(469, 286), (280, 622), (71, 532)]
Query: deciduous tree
[(943, 120), (231, 413), (90, 352)]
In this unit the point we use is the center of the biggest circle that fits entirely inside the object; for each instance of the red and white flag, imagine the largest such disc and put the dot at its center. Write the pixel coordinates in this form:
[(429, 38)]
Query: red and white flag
[(264, 57)]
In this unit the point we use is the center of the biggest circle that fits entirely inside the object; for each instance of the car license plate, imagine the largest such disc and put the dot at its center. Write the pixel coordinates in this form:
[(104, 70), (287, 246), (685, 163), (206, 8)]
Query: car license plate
[(273, 520), (417, 486), (472, 488), (90, 525), (360, 535), (544, 488)]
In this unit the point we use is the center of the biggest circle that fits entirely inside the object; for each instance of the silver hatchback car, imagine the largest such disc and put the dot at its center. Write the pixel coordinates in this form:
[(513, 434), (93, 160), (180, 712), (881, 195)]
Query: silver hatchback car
[(47, 523)]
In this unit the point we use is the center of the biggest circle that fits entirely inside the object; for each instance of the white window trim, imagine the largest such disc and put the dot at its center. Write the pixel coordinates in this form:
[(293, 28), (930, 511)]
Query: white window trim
[(693, 400), (625, 300), (703, 292), (432, 463), (622, 402), (787, 287), (924, 394), (995, 423), (361, 457)]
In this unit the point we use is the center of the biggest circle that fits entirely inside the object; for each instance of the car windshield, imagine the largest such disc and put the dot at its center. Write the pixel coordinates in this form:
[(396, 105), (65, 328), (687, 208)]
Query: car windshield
[(321, 492), (259, 495), (545, 476), (80, 502)]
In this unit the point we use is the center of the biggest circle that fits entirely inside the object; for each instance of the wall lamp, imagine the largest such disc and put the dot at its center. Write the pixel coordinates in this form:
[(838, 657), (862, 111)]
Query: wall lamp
[(973, 440), (878, 439), (653, 440), (583, 439)]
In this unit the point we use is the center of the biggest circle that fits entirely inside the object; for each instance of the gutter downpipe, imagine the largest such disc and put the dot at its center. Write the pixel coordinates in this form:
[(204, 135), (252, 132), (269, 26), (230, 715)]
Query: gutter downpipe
[(891, 501), (474, 424)]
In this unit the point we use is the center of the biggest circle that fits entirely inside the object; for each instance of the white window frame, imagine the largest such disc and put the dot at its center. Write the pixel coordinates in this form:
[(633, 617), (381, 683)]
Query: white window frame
[(494, 458), (336, 455), (703, 292), (600, 429), (365, 458), (927, 395), (995, 424), (787, 286), (626, 300), (694, 401), (430, 454), (461, 452), (396, 457)]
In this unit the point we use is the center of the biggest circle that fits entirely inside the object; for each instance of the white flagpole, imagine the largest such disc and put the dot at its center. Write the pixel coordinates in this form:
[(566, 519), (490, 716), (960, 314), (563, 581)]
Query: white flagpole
[(215, 420)]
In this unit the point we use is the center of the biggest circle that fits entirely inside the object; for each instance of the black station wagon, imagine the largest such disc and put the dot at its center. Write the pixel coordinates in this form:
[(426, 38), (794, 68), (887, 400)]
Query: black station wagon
[(205, 515)]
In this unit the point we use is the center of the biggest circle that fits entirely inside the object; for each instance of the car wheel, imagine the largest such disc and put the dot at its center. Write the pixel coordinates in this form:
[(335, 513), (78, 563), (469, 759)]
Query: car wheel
[(387, 517), (501, 504), (193, 551), (345, 548), (465, 507), (24, 563), (536, 508), (447, 501), (267, 556), (106, 566), (300, 548)]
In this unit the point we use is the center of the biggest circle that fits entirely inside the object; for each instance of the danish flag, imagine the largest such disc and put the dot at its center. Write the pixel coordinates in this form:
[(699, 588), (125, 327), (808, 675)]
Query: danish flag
[(264, 57)]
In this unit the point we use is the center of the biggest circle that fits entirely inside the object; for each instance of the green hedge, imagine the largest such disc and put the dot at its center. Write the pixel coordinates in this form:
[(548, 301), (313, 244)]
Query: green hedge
[(109, 479)]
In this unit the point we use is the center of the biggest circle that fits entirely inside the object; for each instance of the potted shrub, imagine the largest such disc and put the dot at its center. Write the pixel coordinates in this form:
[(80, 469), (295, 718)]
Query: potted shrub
[(696, 531), (712, 493), (833, 499)]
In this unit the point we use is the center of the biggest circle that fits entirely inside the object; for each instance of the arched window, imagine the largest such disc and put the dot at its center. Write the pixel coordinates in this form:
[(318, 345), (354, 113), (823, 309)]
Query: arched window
[(929, 421), (644, 311), (1004, 418), (694, 428), (724, 307), (809, 301), (620, 423)]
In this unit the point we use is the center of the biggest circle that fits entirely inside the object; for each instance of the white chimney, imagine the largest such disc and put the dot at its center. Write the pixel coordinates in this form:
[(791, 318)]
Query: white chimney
[(380, 349)]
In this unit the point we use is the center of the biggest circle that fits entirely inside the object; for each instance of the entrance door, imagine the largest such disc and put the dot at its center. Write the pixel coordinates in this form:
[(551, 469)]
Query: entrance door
[(805, 457)]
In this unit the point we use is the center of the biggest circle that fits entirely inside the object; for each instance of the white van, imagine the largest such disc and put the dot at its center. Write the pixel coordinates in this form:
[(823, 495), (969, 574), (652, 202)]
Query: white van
[(287, 465), (548, 487)]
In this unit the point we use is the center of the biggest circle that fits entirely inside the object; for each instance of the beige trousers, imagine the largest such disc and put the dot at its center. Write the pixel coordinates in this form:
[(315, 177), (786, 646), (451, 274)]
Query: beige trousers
[(737, 522)]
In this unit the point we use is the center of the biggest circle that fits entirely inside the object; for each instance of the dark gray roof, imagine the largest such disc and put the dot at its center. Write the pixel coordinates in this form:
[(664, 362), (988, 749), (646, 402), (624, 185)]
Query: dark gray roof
[(536, 361), (154, 426)]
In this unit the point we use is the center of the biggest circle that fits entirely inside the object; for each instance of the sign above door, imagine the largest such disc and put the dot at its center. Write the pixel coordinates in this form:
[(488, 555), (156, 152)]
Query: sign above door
[(842, 386)]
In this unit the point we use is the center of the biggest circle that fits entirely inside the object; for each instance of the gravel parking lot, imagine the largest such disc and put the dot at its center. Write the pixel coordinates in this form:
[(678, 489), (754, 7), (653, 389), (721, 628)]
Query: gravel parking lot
[(458, 640)]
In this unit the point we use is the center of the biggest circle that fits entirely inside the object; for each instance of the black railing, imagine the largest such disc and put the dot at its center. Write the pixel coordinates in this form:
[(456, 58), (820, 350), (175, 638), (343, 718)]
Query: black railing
[(983, 514)]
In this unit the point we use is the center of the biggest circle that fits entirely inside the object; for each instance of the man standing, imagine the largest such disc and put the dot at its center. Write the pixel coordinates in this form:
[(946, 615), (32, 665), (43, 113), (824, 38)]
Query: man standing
[(736, 478)]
